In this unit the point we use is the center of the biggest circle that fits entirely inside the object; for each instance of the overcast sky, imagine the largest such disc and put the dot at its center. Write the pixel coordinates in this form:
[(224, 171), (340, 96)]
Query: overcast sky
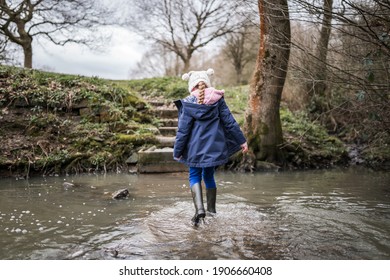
[(121, 54)]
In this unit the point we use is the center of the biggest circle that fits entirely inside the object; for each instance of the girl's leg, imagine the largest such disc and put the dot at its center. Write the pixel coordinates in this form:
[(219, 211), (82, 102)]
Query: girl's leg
[(195, 175), (195, 178), (211, 188), (208, 177)]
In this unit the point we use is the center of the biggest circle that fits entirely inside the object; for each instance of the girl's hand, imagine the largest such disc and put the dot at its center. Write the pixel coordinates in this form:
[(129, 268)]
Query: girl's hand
[(244, 147)]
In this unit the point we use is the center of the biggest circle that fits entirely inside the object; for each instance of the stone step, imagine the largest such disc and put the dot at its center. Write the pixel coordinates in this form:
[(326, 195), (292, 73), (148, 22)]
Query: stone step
[(167, 167), (168, 113), (166, 141), (156, 103), (169, 122), (168, 131), (158, 160)]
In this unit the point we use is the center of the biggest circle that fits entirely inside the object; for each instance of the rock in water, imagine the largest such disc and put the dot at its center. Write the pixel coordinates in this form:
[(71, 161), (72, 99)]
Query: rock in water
[(68, 185), (120, 194)]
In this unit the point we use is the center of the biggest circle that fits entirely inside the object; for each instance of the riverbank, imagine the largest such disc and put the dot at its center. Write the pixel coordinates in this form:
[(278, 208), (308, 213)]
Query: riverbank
[(54, 124)]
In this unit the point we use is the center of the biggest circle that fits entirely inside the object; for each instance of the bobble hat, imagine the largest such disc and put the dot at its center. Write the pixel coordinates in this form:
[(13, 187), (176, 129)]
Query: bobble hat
[(194, 77)]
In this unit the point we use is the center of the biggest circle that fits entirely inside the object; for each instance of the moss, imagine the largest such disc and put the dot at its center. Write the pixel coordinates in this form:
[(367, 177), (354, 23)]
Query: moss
[(136, 139), (134, 101), (309, 144)]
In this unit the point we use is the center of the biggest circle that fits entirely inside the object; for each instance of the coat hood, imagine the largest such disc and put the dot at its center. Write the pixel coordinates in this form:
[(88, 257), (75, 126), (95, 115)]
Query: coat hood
[(200, 111)]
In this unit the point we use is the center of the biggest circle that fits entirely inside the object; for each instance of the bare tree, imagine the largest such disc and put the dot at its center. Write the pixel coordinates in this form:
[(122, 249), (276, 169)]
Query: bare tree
[(262, 123), (317, 85), (361, 66), (183, 26), (241, 48), (355, 105), (59, 21)]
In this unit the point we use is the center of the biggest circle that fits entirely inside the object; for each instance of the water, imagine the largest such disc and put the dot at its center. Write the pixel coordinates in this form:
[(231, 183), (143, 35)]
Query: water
[(338, 214)]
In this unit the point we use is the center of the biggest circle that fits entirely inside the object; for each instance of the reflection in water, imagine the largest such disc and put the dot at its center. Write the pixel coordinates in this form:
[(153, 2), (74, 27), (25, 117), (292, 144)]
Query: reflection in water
[(300, 215)]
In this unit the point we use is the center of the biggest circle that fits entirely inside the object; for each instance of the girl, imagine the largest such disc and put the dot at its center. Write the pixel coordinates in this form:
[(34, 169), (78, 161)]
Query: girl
[(207, 136)]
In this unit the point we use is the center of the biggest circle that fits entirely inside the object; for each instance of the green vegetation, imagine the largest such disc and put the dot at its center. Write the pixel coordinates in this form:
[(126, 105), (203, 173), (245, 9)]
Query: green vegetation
[(167, 87), (53, 123), (237, 100), (308, 144)]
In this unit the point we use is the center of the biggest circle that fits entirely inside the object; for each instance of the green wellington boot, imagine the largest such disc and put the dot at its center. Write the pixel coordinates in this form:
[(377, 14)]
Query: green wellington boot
[(197, 196), (211, 195)]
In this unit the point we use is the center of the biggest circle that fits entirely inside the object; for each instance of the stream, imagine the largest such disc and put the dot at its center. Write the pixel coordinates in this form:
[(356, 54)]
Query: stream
[(322, 214)]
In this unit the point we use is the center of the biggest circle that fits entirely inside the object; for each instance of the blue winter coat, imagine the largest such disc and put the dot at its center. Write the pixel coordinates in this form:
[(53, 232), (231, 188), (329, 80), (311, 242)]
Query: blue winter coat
[(207, 134)]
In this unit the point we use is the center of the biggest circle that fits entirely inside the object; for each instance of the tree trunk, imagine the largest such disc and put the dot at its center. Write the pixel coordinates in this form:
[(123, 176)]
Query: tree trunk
[(262, 125), (25, 41), (28, 55), (238, 69), (317, 87), (239, 75), (186, 63)]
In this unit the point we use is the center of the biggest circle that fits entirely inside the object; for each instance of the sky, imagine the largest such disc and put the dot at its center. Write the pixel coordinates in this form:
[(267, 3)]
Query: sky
[(120, 55)]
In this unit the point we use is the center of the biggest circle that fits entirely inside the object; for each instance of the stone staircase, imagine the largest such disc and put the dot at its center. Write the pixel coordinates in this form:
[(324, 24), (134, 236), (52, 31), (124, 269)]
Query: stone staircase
[(159, 158)]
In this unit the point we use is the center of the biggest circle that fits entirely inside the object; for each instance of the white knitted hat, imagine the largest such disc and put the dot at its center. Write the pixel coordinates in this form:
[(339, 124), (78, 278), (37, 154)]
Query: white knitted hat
[(194, 77)]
